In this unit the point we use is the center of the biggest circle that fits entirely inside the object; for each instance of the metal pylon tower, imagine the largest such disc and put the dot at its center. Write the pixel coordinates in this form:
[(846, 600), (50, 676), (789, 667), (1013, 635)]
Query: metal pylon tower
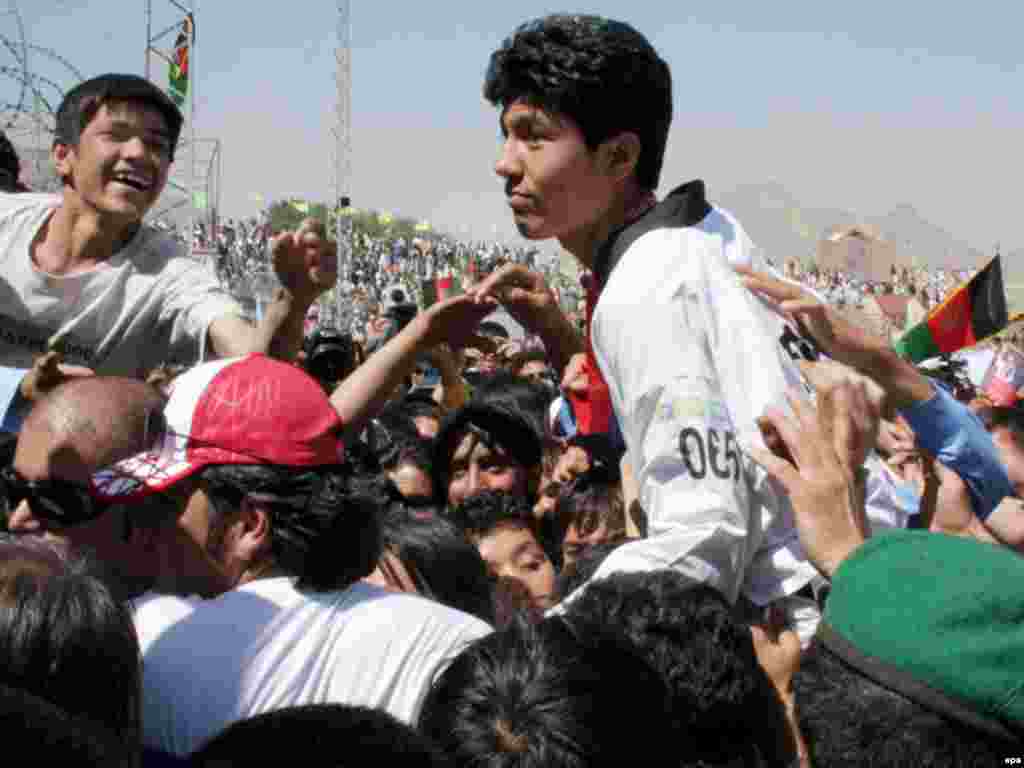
[(341, 134)]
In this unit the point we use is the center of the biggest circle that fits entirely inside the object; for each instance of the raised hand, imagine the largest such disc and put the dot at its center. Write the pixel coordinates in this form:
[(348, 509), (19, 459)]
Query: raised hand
[(829, 520), (454, 321), (838, 338), (305, 261), (523, 293)]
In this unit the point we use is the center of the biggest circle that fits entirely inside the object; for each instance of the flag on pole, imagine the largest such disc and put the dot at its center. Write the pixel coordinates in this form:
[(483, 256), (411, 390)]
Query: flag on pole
[(972, 313), (178, 74), (300, 205)]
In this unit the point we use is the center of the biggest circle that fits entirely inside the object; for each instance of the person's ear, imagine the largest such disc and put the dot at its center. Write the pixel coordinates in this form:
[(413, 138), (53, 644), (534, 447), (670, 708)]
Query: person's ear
[(251, 530), (61, 155), (620, 155)]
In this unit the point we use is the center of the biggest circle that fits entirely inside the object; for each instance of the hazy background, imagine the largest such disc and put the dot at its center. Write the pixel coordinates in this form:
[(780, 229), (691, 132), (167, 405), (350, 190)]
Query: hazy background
[(896, 112)]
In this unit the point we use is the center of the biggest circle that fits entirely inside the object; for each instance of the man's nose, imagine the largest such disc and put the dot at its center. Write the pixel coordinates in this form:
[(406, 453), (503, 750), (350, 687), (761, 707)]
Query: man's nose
[(508, 165)]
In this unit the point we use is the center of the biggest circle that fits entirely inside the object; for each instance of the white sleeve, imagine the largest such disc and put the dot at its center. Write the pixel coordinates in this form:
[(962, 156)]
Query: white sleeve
[(659, 357)]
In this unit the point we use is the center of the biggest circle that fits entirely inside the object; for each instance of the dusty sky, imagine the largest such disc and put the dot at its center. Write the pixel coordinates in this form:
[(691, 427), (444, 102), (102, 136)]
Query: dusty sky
[(859, 106)]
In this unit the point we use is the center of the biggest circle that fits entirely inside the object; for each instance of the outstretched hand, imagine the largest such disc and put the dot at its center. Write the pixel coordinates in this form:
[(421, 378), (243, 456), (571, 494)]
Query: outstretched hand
[(829, 519), (523, 293), (305, 261), (837, 338), (454, 321)]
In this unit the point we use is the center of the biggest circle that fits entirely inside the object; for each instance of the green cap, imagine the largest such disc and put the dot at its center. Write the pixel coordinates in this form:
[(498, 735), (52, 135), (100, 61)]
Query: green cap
[(937, 618)]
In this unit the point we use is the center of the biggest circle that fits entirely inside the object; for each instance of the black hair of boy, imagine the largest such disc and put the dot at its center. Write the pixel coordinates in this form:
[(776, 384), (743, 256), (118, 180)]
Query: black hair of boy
[(443, 565), (848, 719), (576, 65), (80, 105), (486, 511), (319, 736), (10, 165), (724, 706), (65, 638), (45, 734), (551, 695)]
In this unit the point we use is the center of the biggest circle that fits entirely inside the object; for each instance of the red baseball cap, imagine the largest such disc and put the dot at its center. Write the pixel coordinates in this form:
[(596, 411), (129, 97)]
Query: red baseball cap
[(246, 410)]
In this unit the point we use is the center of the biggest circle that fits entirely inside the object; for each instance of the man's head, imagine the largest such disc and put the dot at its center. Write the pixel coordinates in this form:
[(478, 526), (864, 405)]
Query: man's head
[(553, 695), (64, 637), (114, 144), (724, 708), (249, 460), (319, 735), (514, 545), (928, 674), (589, 511), (567, 155), (10, 166), (485, 447), (78, 429)]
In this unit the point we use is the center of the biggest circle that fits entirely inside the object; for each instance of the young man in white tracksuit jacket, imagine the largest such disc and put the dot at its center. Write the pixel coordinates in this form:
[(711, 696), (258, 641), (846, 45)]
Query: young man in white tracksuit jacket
[(690, 357)]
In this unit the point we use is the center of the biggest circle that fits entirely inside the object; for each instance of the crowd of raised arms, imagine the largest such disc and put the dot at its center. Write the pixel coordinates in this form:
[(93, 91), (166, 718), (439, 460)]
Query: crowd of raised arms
[(708, 519)]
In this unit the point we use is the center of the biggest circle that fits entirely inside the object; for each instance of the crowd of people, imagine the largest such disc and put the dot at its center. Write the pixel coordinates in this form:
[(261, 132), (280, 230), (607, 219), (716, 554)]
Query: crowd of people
[(713, 518)]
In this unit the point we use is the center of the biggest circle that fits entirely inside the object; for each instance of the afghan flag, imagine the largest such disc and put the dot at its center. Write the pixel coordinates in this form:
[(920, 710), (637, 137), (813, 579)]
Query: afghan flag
[(972, 313), (178, 72)]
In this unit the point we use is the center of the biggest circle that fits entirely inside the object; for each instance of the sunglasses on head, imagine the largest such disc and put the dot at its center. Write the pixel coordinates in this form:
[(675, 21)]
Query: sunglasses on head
[(55, 501)]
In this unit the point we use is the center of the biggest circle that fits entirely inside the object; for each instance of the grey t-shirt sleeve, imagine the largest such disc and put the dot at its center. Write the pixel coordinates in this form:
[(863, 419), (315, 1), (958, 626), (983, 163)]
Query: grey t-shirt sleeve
[(193, 299)]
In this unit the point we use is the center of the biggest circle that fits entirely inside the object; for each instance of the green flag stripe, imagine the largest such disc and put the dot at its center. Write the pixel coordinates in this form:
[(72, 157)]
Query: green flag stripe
[(917, 344)]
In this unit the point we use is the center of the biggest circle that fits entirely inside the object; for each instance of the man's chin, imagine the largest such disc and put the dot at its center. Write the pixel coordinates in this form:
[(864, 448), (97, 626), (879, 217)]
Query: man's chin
[(530, 232)]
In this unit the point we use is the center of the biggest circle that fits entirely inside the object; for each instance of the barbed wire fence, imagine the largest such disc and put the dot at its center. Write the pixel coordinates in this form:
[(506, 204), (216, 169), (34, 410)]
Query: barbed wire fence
[(33, 80)]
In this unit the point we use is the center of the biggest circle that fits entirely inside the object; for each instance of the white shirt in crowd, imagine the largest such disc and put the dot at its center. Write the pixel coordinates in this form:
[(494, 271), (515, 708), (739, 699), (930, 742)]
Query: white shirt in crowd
[(267, 645)]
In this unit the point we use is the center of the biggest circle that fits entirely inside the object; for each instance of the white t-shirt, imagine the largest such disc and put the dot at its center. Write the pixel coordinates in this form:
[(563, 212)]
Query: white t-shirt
[(266, 645), (148, 304)]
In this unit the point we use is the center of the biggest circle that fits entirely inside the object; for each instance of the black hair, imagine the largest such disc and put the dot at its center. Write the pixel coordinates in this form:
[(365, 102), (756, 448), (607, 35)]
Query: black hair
[(582, 570), (526, 398), (576, 66), (393, 440), (80, 105), (548, 696), (314, 735), (323, 530), (65, 638), (441, 562), (590, 500), (724, 706), (416, 405), (47, 734), (485, 511), (1010, 418), (527, 355), (848, 719), (10, 165), (501, 426)]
